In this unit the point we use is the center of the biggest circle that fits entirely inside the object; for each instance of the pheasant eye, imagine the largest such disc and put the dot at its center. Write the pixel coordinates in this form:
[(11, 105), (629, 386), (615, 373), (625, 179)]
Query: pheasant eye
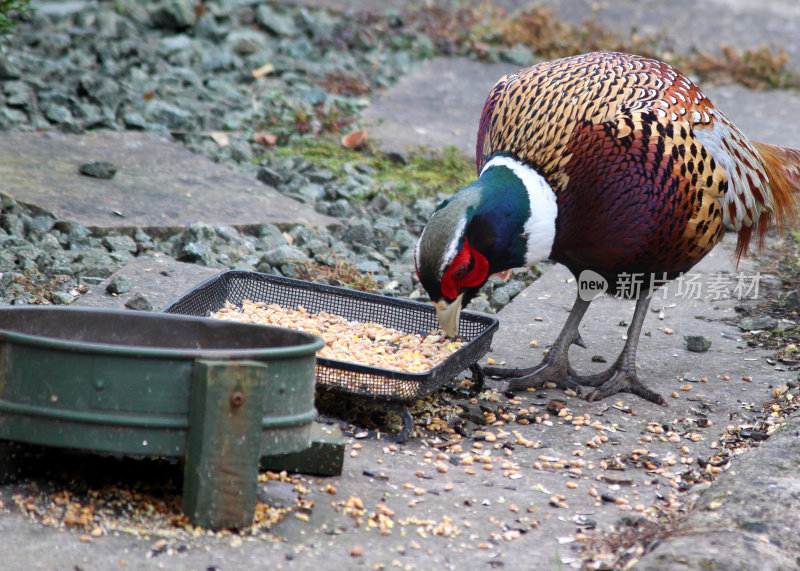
[(460, 273)]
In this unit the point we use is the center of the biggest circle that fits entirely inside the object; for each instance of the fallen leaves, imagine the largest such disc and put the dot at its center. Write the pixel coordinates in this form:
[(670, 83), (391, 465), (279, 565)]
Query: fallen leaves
[(263, 70), (266, 139), (355, 139)]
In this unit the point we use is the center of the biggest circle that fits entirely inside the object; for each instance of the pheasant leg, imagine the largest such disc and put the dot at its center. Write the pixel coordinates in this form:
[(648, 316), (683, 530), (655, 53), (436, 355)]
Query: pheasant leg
[(555, 366), (621, 377)]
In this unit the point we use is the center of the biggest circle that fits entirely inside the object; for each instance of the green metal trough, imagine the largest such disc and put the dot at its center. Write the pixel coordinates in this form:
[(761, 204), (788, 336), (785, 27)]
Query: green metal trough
[(223, 396)]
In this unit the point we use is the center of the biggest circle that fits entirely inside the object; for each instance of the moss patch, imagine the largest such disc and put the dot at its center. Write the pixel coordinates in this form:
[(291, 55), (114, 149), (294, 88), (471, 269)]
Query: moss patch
[(420, 173)]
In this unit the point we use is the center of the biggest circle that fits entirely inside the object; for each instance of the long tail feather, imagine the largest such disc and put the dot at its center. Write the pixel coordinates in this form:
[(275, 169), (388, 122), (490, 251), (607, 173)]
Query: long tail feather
[(783, 169)]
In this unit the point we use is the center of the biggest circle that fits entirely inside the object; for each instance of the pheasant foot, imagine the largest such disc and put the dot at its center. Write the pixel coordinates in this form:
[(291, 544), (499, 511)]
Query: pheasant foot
[(615, 380)]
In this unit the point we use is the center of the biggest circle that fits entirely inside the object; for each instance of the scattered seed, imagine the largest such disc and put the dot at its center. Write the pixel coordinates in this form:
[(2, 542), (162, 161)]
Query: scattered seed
[(357, 551)]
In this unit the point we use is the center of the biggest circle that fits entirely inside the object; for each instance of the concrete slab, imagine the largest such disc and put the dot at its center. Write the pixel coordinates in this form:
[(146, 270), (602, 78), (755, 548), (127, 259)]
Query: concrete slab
[(749, 516), (160, 280), (436, 105), (159, 186)]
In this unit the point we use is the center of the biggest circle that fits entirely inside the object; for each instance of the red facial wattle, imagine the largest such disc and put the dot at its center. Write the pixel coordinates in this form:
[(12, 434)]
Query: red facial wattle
[(469, 268)]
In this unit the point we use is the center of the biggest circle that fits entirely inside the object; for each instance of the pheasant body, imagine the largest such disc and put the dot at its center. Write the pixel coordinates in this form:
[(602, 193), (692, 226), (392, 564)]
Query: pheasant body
[(604, 161), (631, 148)]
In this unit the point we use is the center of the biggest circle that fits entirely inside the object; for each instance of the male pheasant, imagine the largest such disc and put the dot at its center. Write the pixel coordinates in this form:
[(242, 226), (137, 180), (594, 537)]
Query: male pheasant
[(607, 162)]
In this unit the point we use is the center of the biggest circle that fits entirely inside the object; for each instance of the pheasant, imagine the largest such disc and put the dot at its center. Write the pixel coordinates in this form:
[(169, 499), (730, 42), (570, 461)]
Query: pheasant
[(608, 162)]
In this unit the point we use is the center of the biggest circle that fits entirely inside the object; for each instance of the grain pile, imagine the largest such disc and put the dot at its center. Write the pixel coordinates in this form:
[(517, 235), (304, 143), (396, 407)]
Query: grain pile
[(106, 497), (369, 344)]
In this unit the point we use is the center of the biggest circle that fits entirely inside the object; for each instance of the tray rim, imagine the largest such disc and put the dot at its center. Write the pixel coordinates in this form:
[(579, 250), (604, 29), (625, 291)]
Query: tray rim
[(311, 344), (491, 322)]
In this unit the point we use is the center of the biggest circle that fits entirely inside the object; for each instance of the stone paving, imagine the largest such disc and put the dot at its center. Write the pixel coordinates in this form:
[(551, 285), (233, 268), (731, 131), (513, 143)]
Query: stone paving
[(159, 186)]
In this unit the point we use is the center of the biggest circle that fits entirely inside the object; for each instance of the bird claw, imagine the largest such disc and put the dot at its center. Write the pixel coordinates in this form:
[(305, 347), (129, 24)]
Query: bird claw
[(616, 380), (609, 382)]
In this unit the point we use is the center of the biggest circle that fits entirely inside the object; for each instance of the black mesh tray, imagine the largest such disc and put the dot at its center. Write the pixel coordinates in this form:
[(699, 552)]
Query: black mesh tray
[(343, 376)]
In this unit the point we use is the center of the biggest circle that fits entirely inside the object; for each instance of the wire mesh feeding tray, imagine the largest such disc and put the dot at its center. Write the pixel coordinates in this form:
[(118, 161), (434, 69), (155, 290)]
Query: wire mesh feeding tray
[(235, 286)]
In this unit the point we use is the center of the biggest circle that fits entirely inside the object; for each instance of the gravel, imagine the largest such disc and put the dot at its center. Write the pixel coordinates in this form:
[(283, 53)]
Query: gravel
[(697, 343), (186, 73), (98, 169), (760, 323)]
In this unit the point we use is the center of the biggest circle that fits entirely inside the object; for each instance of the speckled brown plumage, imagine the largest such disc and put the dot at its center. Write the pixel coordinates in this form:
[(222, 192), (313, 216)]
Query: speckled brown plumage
[(645, 169)]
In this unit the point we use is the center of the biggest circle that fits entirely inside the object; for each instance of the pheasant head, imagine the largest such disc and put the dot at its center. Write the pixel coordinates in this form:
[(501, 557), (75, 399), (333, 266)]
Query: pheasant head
[(506, 219)]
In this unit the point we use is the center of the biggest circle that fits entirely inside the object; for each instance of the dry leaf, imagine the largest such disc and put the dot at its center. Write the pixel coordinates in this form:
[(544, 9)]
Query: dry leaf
[(355, 139), (503, 275), (265, 69), (220, 138), (267, 139)]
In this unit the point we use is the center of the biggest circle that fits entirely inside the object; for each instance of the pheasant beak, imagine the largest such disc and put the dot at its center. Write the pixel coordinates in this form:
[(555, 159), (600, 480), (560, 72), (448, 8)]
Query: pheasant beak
[(448, 314)]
